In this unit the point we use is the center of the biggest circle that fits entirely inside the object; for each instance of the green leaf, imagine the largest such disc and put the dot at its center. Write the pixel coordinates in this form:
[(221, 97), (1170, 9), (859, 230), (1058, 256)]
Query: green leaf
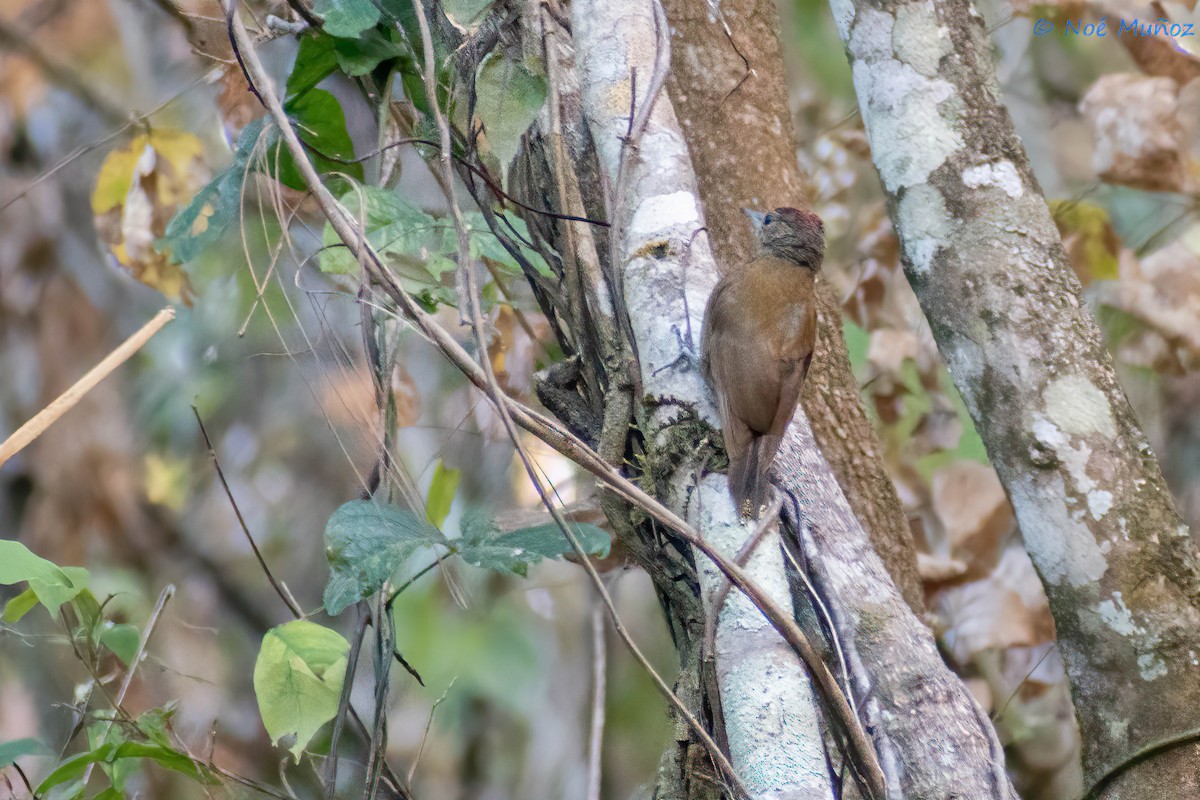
[(101, 733), (113, 752), (19, 748), (466, 14), (19, 606), (483, 545), (52, 584), (203, 222), (90, 614), (362, 55), (366, 543), (298, 680), (510, 96), (484, 244), (321, 125), (315, 61), (155, 722), (418, 247), (122, 640), (441, 494), (347, 17)]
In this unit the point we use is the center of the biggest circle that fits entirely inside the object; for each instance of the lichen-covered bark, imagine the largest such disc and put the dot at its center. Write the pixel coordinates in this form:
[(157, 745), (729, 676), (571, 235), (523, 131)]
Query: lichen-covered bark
[(933, 739), (667, 271), (739, 133), (987, 265)]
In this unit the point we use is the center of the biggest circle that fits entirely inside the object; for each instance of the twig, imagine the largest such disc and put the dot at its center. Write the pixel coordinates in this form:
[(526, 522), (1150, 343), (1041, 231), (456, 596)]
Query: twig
[(339, 721), (280, 588), (385, 646), (166, 594), (819, 603), (1141, 754), (482, 174), (67, 400), (412, 770), (599, 668), (304, 14)]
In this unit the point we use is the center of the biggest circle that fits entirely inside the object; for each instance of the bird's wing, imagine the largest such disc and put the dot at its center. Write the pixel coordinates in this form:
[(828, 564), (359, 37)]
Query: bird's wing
[(798, 357)]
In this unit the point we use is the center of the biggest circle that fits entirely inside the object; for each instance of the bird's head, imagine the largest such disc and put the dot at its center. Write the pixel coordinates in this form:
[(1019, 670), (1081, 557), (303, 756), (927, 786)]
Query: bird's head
[(791, 234)]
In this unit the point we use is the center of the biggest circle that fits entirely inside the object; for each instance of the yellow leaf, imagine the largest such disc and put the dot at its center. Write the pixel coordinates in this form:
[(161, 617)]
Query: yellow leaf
[(1088, 236), (115, 177), (138, 189), (166, 481)]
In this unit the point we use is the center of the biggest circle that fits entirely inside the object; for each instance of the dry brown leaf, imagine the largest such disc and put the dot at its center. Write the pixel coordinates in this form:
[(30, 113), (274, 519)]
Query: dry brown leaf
[(889, 348), (138, 189), (1139, 140), (975, 514), (406, 396), (934, 569), (1162, 57), (1163, 292), (513, 352), (1008, 608), (236, 103)]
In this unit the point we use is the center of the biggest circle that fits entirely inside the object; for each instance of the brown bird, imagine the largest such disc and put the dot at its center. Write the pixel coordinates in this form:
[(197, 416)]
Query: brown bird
[(760, 328)]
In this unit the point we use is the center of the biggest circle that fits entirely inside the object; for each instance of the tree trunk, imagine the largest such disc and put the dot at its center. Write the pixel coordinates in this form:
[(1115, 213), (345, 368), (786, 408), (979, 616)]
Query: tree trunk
[(660, 248), (667, 271), (739, 133), (985, 260)]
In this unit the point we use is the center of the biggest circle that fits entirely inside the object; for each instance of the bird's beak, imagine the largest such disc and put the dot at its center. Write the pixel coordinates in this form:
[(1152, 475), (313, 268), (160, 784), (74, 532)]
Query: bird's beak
[(756, 217)]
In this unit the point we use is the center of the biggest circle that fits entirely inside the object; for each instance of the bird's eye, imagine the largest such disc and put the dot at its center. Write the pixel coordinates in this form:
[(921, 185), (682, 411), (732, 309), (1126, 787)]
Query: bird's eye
[(767, 219)]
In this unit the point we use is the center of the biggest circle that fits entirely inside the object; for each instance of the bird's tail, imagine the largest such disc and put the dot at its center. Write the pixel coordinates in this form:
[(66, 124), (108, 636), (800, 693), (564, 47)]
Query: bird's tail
[(749, 477)]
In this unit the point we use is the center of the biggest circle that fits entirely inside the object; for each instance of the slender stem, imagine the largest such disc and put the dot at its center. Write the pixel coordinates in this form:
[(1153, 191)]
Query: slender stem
[(279, 587), (599, 668), (67, 400), (165, 595)]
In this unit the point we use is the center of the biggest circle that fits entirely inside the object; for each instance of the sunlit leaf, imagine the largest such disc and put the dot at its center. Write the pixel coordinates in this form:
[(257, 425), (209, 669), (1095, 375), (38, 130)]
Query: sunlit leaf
[(19, 606), (366, 543), (298, 680), (167, 480), (441, 494), (52, 584)]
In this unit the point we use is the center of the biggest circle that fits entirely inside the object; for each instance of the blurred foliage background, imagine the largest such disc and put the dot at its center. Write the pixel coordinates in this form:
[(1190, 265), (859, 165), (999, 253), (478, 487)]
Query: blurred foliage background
[(267, 347)]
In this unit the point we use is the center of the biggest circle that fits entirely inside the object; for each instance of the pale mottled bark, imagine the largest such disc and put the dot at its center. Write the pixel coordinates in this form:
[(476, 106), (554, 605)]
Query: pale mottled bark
[(663, 255), (933, 739), (984, 257), (739, 132)]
